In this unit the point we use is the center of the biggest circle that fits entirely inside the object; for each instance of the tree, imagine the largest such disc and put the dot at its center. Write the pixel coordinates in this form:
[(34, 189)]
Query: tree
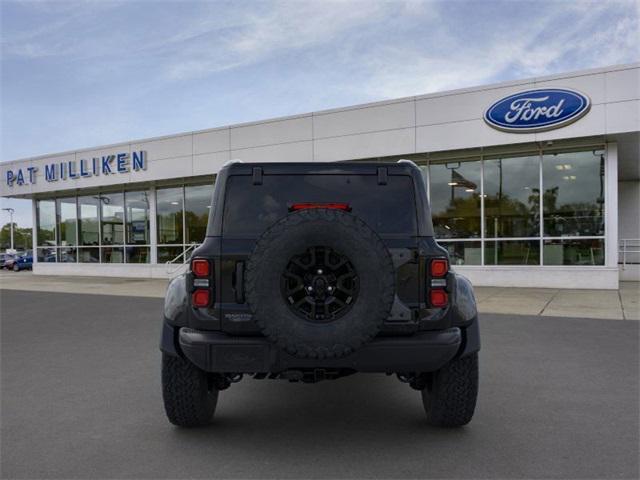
[(21, 237)]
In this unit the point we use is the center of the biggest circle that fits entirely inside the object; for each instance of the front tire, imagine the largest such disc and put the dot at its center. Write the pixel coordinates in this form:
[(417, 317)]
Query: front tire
[(189, 394), (16, 268), (449, 397)]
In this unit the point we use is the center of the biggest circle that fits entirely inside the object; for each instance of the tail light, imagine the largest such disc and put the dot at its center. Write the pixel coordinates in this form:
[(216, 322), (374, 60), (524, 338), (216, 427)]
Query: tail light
[(200, 267), (200, 298), (438, 269), (333, 206), (202, 294)]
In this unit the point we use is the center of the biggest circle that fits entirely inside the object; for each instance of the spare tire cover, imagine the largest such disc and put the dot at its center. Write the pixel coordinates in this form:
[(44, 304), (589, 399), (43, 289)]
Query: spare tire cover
[(320, 283)]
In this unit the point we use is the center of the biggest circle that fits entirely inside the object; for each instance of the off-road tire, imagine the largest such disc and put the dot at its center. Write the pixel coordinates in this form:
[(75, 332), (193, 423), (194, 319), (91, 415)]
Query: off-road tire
[(350, 236), (189, 395), (449, 398)]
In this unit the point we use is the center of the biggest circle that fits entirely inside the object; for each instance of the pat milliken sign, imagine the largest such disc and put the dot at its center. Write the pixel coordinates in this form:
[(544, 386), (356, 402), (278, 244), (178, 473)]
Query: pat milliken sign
[(537, 110), (117, 163)]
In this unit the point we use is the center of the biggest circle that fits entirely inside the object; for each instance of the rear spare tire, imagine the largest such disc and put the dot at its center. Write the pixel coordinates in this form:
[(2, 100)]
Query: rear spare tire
[(320, 283)]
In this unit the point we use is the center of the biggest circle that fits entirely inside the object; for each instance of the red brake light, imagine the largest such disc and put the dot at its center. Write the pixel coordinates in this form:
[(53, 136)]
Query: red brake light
[(200, 267), (439, 267), (200, 298), (438, 298), (334, 206)]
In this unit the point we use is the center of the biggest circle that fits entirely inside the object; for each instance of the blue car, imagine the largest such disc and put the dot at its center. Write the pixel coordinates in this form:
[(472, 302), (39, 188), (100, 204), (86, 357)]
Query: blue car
[(23, 262)]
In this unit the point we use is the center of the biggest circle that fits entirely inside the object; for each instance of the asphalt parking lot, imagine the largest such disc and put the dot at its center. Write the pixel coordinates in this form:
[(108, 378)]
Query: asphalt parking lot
[(81, 399)]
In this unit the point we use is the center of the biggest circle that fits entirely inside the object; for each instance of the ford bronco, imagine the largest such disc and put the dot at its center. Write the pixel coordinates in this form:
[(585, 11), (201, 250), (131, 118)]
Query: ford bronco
[(316, 271)]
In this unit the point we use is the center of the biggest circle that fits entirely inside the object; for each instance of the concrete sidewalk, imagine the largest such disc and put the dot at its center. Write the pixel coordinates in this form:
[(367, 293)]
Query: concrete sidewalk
[(620, 304)]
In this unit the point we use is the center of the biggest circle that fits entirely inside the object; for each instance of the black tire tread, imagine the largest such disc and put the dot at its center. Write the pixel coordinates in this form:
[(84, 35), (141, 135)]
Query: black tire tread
[(296, 348), (451, 400), (189, 400)]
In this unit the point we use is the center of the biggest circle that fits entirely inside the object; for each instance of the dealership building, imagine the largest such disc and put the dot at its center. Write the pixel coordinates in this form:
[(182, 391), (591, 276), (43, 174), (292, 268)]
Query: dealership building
[(533, 183)]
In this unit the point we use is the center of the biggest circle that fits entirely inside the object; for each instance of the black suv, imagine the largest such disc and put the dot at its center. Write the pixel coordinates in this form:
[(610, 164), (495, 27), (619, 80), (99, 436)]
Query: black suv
[(314, 271)]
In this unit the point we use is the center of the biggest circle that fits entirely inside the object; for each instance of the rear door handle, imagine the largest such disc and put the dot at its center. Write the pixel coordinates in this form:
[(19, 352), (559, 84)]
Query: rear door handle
[(239, 282)]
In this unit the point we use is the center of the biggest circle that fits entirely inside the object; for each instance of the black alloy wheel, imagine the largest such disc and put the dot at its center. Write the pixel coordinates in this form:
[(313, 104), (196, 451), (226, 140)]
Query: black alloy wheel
[(320, 285)]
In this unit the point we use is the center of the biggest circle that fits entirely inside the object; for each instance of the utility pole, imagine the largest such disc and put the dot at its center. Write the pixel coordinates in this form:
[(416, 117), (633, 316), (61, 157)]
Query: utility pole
[(11, 212)]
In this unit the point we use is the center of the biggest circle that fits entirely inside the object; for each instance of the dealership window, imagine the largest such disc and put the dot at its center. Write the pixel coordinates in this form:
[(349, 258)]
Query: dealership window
[(170, 220), (138, 239), (462, 252), (512, 197), (88, 229), (512, 252), (197, 202), (489, 211), (455, 199), (573, 194), (67, 225), (182, 216), (112, 227), (456, 208), (46, 230)]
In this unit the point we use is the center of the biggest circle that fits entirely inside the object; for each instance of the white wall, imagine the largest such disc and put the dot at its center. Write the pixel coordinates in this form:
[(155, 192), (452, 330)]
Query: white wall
[(629, 209), (427, 123), (541, 277), (629, 226), (109, 270)]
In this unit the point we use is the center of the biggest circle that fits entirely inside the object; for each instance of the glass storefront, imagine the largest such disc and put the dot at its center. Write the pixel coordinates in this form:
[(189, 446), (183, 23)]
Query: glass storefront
[(115, 227), (183, 213), (91, 228), (489, 211), (533, 208)]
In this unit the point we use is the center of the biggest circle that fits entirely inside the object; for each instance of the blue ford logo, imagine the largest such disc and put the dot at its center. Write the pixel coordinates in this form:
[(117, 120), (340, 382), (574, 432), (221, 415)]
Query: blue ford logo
[(537, 110)]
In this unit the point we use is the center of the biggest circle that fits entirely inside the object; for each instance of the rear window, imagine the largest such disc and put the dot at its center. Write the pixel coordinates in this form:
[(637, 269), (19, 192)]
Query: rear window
[(250, 209)]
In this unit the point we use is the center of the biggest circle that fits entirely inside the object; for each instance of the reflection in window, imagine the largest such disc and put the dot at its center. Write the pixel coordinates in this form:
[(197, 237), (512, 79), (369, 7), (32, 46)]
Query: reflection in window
[(455, 199), (574, 252), (573, 198), (46, 217), (463, 253), (88, 220), (67, 212), (197, 203), (137, 254), (67, 255), (46, 255), (112, 205), (169, 207), (167, 254), (512, 252), (137, 218), (112, 255), (512, 197), (89, 255)]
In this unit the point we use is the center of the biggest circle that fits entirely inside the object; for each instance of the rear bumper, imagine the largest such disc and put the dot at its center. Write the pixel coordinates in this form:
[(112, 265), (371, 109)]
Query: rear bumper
[(218, 352)]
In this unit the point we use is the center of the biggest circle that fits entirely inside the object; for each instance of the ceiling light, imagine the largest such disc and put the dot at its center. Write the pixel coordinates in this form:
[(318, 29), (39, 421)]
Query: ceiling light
[(452, 184), (175, 203), (469, 190), (567, 166)]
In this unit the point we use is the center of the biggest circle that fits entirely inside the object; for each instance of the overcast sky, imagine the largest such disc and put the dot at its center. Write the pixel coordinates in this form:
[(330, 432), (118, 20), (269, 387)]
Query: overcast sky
[(81, 74)]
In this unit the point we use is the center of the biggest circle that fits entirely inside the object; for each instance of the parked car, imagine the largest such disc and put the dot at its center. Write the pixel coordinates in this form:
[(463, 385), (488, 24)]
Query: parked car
[(317, 271), (7, 262), (23, 262)]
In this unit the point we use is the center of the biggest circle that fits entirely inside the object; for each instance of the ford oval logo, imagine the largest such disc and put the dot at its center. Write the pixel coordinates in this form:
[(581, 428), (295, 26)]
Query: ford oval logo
[(537, 110)]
